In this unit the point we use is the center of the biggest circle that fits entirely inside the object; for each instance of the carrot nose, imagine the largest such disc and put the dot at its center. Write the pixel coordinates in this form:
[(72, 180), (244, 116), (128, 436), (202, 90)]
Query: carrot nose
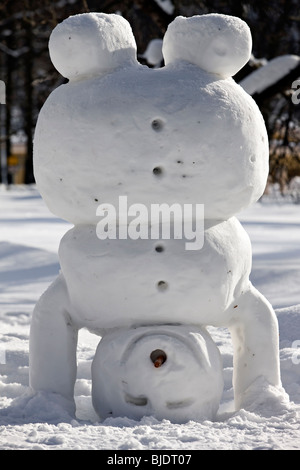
[(158, 357)]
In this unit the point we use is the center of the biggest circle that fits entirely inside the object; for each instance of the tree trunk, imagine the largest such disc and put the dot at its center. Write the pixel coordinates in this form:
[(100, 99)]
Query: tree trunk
[(29, 58)]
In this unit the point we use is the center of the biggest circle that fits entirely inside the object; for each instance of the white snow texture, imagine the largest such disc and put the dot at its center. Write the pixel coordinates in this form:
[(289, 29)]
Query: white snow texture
[(103, 135), (30, 236)]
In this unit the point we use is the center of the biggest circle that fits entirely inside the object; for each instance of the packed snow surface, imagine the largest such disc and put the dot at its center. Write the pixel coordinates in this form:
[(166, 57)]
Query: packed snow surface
[(30, 236)]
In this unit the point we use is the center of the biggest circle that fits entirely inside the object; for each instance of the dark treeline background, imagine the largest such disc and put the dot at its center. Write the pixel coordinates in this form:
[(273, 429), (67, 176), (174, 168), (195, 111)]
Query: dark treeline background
[(29, 76)]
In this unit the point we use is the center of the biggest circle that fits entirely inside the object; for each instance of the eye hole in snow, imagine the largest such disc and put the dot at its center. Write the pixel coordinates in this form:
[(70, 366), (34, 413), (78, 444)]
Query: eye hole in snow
[(158, 357), (179, 404), (138, 401)]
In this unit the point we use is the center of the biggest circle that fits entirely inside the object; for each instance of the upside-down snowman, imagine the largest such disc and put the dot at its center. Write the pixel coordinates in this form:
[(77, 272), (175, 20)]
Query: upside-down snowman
[(183, 134)]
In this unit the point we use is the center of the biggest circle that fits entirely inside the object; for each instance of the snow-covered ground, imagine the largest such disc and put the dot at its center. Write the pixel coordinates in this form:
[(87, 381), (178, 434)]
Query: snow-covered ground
[(29, 239)]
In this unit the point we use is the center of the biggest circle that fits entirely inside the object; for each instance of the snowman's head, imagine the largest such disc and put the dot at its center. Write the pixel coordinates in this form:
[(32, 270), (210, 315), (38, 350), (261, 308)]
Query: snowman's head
[(170, 372)]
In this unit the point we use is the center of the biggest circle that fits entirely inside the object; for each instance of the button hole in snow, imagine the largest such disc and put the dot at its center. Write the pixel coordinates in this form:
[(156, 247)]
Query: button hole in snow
[(157, 171), (157, 125), (159, 248), (162, 285)]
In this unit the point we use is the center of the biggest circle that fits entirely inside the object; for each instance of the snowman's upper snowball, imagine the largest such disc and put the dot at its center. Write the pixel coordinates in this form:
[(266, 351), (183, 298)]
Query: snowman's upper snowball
[(219, 44), (90, 44)]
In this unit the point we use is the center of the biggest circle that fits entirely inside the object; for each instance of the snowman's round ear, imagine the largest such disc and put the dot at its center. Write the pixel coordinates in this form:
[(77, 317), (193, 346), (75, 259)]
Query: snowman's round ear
[(91, 44), (219, 44)]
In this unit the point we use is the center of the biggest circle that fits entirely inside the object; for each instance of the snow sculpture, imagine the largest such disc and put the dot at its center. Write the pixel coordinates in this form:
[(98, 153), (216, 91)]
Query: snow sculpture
[(184, 133), (173, 372)]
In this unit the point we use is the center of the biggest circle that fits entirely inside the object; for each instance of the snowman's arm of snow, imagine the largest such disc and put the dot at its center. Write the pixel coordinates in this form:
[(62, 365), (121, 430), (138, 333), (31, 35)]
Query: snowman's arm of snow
[(53, 343), (255, 340)]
